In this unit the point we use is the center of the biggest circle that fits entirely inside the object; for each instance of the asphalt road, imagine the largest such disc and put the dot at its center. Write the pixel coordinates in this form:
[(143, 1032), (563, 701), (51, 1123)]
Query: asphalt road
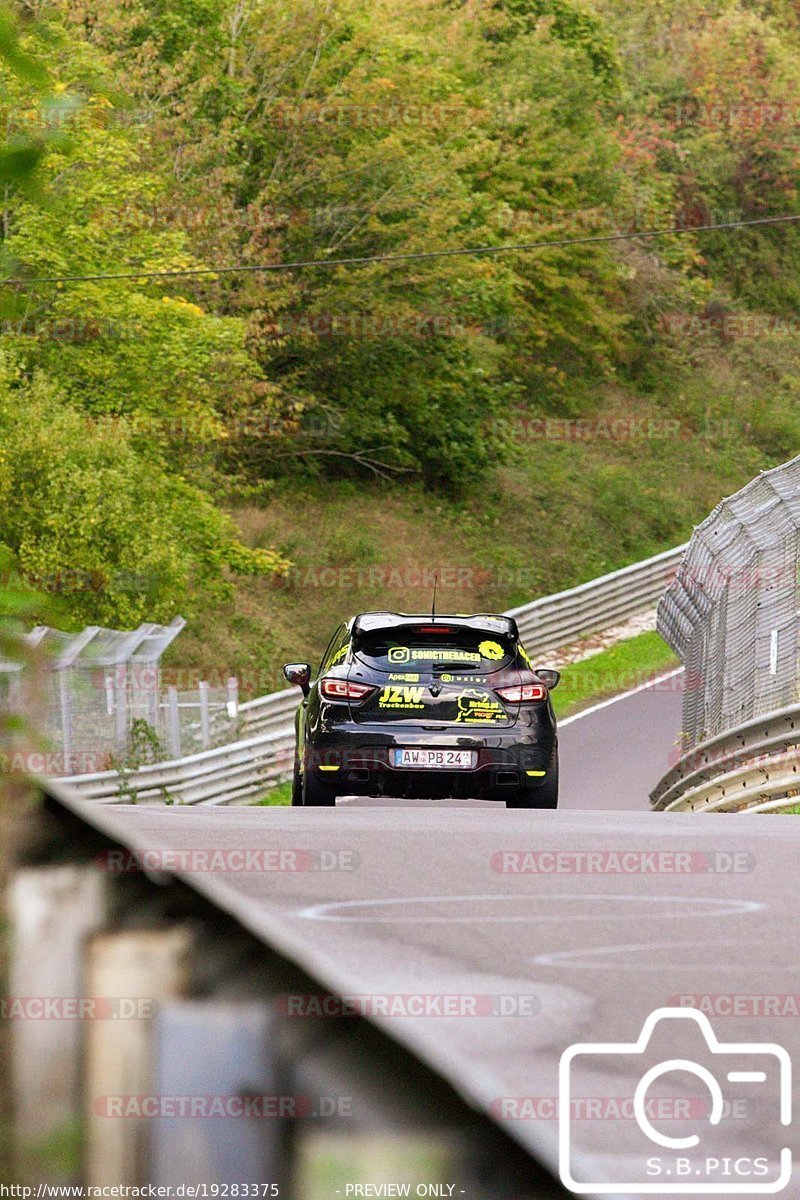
[(467, 903), (613, 753)]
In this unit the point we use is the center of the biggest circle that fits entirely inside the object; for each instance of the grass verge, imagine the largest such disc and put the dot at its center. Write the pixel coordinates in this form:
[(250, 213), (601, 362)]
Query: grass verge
[(281, 794), (622, 667)]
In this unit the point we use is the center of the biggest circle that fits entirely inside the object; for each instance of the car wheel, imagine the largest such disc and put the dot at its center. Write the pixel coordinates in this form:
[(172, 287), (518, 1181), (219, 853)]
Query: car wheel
[(297, 784), (544, 796), (316, 795)]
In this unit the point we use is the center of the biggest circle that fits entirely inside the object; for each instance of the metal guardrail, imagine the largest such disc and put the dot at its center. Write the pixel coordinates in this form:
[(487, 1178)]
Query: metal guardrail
[(755, 768), (246, 769), (239, 771), (557, 620)]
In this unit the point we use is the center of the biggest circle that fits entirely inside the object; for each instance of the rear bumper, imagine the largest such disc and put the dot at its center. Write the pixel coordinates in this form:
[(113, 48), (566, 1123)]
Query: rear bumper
[(356, 760)]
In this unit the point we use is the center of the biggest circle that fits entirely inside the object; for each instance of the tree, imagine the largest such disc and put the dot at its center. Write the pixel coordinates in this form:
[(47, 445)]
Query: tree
[(110, 392), (110, 529)]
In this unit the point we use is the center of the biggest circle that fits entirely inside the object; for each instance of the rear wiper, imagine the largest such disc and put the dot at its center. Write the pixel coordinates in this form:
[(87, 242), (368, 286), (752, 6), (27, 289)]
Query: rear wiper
[(439, 667)]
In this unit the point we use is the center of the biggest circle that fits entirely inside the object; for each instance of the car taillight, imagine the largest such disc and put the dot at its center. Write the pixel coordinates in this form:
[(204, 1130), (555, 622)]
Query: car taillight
[(523, 693), (343, 689)]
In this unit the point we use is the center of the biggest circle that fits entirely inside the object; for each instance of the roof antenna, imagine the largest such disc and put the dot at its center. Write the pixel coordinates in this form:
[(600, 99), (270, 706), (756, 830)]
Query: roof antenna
[(433, 601)]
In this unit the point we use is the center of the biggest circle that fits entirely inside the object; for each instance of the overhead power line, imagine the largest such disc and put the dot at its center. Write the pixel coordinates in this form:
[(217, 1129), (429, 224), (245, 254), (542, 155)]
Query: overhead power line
[(410, 256)]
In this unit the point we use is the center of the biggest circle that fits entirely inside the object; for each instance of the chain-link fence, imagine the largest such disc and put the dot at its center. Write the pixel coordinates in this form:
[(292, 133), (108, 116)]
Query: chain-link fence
[(731, 613), (100, 701)]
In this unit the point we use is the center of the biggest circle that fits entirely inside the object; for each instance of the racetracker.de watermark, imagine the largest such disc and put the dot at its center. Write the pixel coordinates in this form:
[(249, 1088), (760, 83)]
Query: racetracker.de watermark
[(728, 325), (523, 427), (744, 114), (77, 1008), (740, 1004), (228, 860), (280, 1107), (613, 1108), (409, 1004), (55, 762), (525, 861)]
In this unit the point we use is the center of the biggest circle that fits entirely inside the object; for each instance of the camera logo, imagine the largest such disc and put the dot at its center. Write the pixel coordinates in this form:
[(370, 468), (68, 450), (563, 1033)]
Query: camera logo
[(664, 1164), (399, 654)]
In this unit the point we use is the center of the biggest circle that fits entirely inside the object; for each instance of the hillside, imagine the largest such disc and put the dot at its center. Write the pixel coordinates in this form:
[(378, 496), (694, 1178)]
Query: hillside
[(265, 452), (561, 509)]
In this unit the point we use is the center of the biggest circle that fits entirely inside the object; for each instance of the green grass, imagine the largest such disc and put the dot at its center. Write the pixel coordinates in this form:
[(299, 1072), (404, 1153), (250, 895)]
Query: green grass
[(326, 1163), (56, 1157), (282, 794), (618, 669)]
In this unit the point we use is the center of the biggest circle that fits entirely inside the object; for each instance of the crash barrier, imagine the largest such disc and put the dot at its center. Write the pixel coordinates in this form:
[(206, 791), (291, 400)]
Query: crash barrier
[(731, 612), (245, 769), (753, 768), (557, 620)]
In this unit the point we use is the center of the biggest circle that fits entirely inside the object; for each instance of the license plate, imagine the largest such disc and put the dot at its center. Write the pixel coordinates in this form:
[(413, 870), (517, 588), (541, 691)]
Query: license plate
[(442, 760)]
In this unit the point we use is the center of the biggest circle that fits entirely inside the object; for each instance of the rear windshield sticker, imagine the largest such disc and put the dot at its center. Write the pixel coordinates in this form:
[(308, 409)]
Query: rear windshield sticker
[(403, 654), (446, 678), (491, 650), (407, 678)]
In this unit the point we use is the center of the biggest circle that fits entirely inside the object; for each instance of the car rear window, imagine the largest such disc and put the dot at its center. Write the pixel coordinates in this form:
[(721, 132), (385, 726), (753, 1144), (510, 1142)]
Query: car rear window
[(425, 649)]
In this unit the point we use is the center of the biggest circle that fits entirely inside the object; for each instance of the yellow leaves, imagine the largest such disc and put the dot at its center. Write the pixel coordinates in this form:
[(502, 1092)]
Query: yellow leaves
[(246, 561), (182, 303)]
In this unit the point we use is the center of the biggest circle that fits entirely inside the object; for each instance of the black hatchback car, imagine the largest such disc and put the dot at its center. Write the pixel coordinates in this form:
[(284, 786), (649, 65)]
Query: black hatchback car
[(426, 707)]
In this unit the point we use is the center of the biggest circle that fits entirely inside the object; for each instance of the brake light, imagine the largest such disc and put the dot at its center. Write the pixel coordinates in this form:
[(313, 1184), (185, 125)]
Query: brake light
[(434, 629), (523, 693), (344, 689)]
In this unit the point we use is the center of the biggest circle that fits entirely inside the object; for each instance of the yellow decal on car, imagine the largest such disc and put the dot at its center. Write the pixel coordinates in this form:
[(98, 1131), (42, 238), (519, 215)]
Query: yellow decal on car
[(444, 655), (525, 656), (401, 697), (411, 677), (479, 708), (399, 654), (491, 650), (340, 653)]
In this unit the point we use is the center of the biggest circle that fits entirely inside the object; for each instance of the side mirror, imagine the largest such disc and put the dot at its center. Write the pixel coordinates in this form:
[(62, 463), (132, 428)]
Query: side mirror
[(299, 674), (549, 677)]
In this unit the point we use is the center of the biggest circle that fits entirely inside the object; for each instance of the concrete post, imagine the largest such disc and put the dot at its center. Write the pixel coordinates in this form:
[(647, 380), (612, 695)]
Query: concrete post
[(143, 969), (52, 910), (205, 735)]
